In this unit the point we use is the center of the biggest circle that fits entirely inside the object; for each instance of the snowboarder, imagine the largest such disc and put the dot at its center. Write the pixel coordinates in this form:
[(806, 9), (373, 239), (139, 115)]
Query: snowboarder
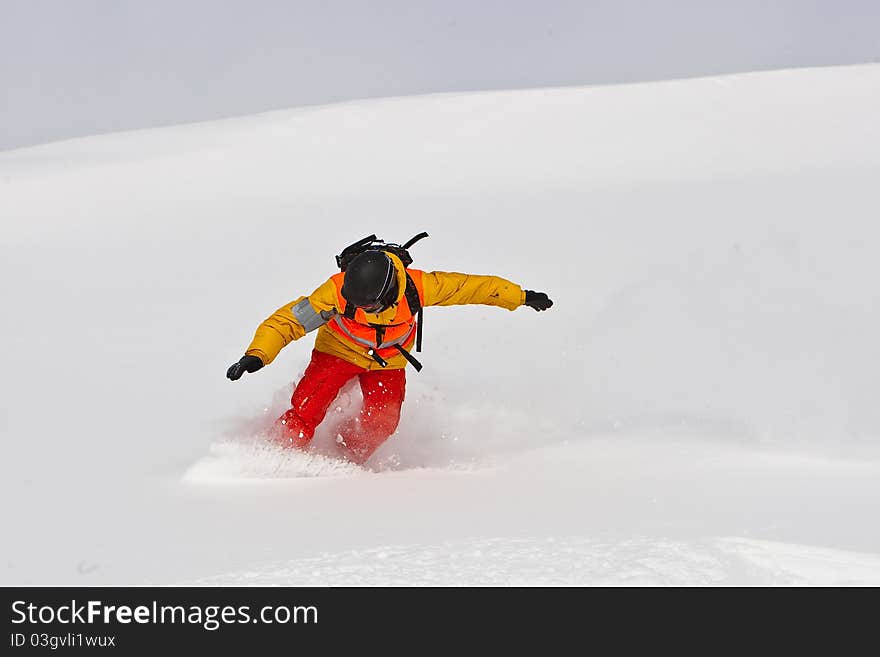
[(367, 318)]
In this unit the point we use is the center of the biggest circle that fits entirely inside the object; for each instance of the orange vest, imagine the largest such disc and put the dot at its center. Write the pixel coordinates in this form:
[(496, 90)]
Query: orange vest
[(381, 337)]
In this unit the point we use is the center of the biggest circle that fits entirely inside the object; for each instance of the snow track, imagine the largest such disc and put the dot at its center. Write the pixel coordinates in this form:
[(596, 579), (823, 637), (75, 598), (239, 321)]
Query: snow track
[(571, 562)]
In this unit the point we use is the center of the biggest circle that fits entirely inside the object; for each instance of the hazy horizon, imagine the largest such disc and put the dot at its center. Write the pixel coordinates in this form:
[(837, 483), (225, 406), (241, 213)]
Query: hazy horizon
[(77, 68)]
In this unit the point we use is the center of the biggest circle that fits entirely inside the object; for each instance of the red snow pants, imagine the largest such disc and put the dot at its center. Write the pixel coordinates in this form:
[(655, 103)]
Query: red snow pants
[(383, 392)]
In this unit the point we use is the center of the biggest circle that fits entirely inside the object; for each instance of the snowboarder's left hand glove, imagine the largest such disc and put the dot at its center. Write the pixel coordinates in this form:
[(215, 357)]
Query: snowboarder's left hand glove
[(246, 364), (538, 300)]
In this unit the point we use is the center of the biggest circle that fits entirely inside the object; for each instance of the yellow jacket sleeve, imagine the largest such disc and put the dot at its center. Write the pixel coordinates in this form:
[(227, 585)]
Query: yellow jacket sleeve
[(282, 327), (451, 289)]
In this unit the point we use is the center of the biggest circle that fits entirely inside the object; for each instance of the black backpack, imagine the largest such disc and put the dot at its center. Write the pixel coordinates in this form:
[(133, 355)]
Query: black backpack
[(411, 293)]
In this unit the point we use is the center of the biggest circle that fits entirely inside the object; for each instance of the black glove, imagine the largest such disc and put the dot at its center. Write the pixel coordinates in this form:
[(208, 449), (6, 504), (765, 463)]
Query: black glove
[(246, 364), (538, 300)]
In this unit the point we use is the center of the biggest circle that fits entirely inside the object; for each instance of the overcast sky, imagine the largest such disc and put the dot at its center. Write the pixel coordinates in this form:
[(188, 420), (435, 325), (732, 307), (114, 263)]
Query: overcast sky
[(76, 67)]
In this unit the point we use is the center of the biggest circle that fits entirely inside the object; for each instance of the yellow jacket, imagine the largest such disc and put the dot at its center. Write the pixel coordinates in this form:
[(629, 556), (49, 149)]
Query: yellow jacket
[(293, 320)]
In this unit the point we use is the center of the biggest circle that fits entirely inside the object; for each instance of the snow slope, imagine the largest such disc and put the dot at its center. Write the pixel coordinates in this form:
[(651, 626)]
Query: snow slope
[(699, 407)]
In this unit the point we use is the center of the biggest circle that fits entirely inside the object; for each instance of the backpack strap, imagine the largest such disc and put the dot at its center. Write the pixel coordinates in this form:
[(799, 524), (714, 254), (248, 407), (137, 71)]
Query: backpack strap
[(352, 250), (411, 293), (415, 307), (409, 357), (414, 240)]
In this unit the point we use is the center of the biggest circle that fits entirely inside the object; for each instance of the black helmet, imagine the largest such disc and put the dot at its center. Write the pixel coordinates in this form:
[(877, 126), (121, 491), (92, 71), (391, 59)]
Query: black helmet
[(370, 281)]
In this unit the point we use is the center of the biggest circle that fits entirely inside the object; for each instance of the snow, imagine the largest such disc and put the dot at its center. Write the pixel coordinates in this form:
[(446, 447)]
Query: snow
[(571, 562), (698, 407)]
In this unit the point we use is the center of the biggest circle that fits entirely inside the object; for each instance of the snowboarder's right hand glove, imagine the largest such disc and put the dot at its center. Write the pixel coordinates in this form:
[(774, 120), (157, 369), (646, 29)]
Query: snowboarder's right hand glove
[(246, 364), (538, 300)]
